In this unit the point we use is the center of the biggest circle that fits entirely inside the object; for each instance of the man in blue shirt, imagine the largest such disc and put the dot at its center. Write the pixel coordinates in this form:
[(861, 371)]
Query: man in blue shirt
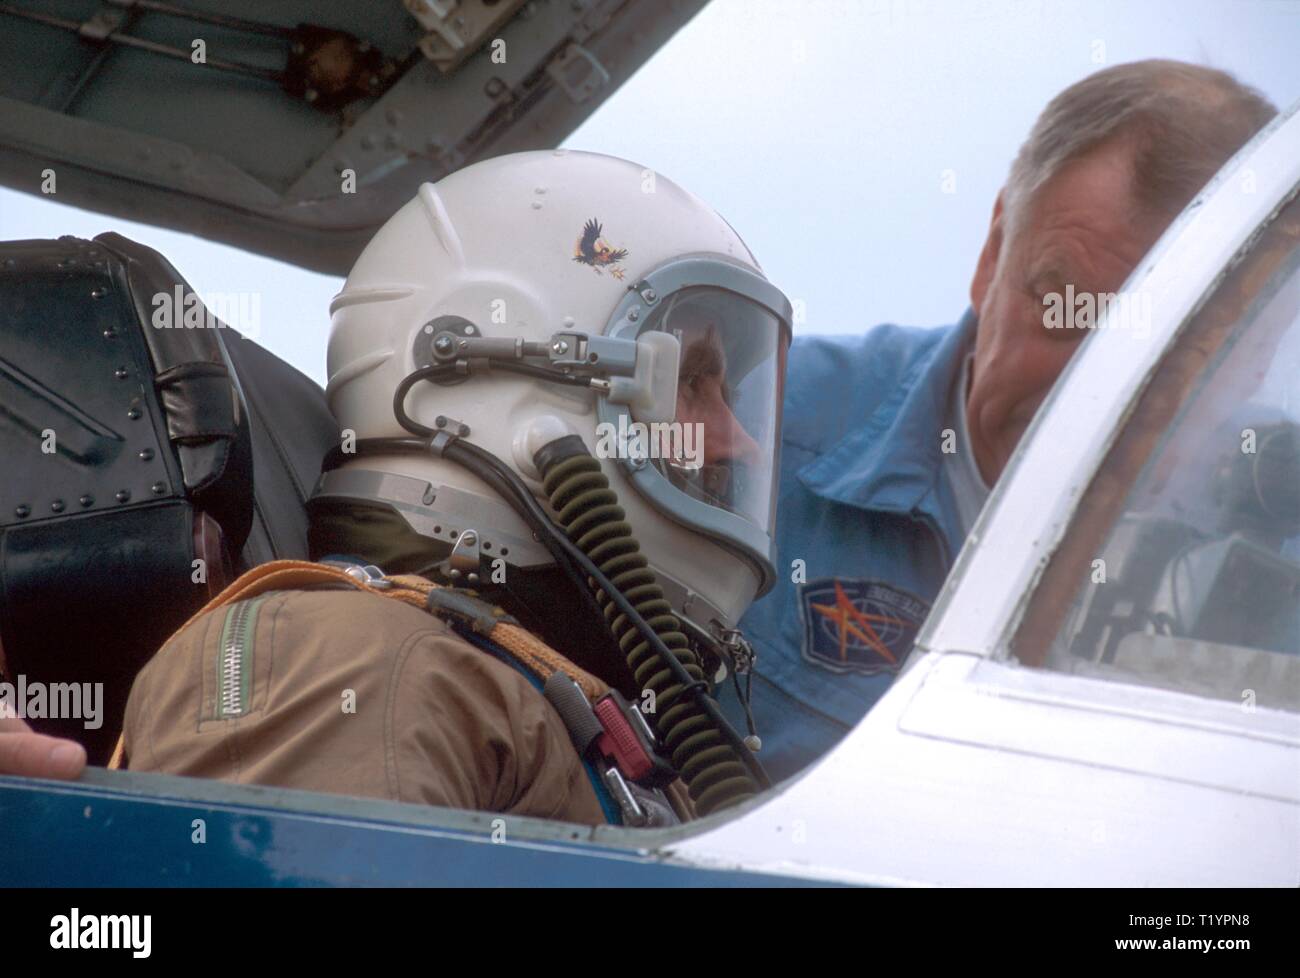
[(891, 440)]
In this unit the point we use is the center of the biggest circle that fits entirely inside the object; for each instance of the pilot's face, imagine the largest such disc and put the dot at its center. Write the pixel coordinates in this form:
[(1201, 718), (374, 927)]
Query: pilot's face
[(1081, 229), (703, 397)]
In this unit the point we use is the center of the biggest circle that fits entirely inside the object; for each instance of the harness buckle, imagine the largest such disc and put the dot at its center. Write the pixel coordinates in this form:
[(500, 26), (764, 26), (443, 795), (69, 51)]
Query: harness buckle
[(461, 606)]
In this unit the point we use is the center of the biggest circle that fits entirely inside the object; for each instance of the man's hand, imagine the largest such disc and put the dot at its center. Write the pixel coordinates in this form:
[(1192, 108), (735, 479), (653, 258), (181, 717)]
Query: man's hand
[(34, 755)]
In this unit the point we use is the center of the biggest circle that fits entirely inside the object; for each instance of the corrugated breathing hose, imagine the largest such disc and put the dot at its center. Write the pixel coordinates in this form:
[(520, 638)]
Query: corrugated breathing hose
[(587, 507)]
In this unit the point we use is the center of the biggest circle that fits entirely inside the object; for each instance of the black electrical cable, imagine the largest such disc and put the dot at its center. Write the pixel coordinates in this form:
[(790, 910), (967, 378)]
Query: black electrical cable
[(433, 371), (541, 373), (336, 456), (743, 697), (446, 371)]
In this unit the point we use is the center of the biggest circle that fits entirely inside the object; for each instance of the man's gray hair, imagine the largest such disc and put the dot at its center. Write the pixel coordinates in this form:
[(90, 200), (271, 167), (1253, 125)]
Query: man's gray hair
[(1182, 121)]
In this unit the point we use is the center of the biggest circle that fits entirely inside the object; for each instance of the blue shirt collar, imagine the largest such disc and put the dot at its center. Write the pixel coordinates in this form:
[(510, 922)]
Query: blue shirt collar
[(893, 461)]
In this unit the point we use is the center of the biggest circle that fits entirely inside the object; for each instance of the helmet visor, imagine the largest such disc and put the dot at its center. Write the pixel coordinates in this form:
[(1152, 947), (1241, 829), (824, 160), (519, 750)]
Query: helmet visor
[(721, 446)]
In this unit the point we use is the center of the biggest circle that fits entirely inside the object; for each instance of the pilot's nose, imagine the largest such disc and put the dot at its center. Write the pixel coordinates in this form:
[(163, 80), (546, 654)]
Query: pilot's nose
[(730, 441)]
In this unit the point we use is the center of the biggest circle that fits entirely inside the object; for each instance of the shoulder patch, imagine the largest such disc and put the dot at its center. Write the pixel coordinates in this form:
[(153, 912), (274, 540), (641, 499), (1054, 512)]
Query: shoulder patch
[(858, 626)]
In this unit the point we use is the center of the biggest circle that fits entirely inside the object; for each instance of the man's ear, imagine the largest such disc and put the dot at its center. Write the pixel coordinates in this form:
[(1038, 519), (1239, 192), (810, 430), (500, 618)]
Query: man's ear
[(988, 260)]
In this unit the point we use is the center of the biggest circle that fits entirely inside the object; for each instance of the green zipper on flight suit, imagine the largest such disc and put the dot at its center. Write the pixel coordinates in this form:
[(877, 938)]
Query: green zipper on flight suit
[(235, 663)]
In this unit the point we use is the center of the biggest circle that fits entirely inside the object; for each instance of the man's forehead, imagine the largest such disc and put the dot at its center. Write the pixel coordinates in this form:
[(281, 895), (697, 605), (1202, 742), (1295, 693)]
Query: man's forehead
[(695, 327), (1083, 252), (1093, 192), (1086, 220), (691, 312)]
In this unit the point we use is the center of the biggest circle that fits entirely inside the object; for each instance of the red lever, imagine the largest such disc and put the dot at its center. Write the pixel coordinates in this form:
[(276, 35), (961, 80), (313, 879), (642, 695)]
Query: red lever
[(621, 742)]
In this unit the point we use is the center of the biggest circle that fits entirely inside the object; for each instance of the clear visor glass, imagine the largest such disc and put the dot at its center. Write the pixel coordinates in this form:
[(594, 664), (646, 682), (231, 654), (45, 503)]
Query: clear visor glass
[(721, 447)]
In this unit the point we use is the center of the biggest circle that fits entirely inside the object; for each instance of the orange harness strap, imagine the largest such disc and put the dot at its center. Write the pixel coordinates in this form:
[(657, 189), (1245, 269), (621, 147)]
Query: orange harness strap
[(291, 575)]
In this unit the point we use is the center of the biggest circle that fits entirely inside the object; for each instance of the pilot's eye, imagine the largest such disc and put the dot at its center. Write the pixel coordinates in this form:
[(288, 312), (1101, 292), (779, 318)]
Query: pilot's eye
[(700, 384), (700, 360)]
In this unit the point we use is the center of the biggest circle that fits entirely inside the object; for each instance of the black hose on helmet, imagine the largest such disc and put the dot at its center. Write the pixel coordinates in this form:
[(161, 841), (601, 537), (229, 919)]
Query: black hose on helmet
[(713, 764)]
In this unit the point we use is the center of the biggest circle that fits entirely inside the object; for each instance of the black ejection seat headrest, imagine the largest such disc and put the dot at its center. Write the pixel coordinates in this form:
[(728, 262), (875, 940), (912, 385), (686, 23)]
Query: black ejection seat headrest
[(207, 419), (128, 466)]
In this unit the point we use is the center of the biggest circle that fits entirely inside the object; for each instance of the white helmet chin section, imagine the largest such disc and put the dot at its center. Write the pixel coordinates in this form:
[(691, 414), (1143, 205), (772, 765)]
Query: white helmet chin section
[(547, 294)]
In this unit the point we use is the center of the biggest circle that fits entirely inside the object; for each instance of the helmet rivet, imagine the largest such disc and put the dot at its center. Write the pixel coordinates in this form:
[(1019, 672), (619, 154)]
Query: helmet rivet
[(443, 344), (560, 346), (428, 327), (633, 315), (649, 295)]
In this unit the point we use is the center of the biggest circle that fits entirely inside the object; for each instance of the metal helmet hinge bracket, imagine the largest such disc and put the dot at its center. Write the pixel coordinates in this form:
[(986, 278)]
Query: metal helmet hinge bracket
[(465, 563)]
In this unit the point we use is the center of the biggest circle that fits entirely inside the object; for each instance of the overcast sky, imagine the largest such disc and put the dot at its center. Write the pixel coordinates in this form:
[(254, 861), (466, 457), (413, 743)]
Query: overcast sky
[(827, 133)]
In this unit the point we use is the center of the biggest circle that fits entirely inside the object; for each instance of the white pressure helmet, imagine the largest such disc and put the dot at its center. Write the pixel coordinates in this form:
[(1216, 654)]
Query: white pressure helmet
[(588, 267)]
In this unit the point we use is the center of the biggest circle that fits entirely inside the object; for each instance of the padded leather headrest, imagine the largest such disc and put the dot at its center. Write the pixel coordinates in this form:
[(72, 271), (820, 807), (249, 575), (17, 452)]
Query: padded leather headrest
[(207, 420)]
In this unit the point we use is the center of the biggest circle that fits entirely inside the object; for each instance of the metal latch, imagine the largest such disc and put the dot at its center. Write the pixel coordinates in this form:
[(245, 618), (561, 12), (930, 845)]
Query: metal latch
[(362, 573), (465, 559), (576, 70)]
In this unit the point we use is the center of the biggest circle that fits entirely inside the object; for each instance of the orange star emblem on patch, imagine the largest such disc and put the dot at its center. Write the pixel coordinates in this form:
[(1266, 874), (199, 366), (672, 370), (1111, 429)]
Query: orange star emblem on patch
[(859, 626)]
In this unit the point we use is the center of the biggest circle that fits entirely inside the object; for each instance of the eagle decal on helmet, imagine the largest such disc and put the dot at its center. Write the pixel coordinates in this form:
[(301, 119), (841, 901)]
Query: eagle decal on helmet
[(595, 251)]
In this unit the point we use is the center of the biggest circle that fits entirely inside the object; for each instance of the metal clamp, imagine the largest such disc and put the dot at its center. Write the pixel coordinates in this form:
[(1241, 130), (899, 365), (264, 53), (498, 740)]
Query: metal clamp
[(737, 648), (449, 429), (465, 558), (603, 354)]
